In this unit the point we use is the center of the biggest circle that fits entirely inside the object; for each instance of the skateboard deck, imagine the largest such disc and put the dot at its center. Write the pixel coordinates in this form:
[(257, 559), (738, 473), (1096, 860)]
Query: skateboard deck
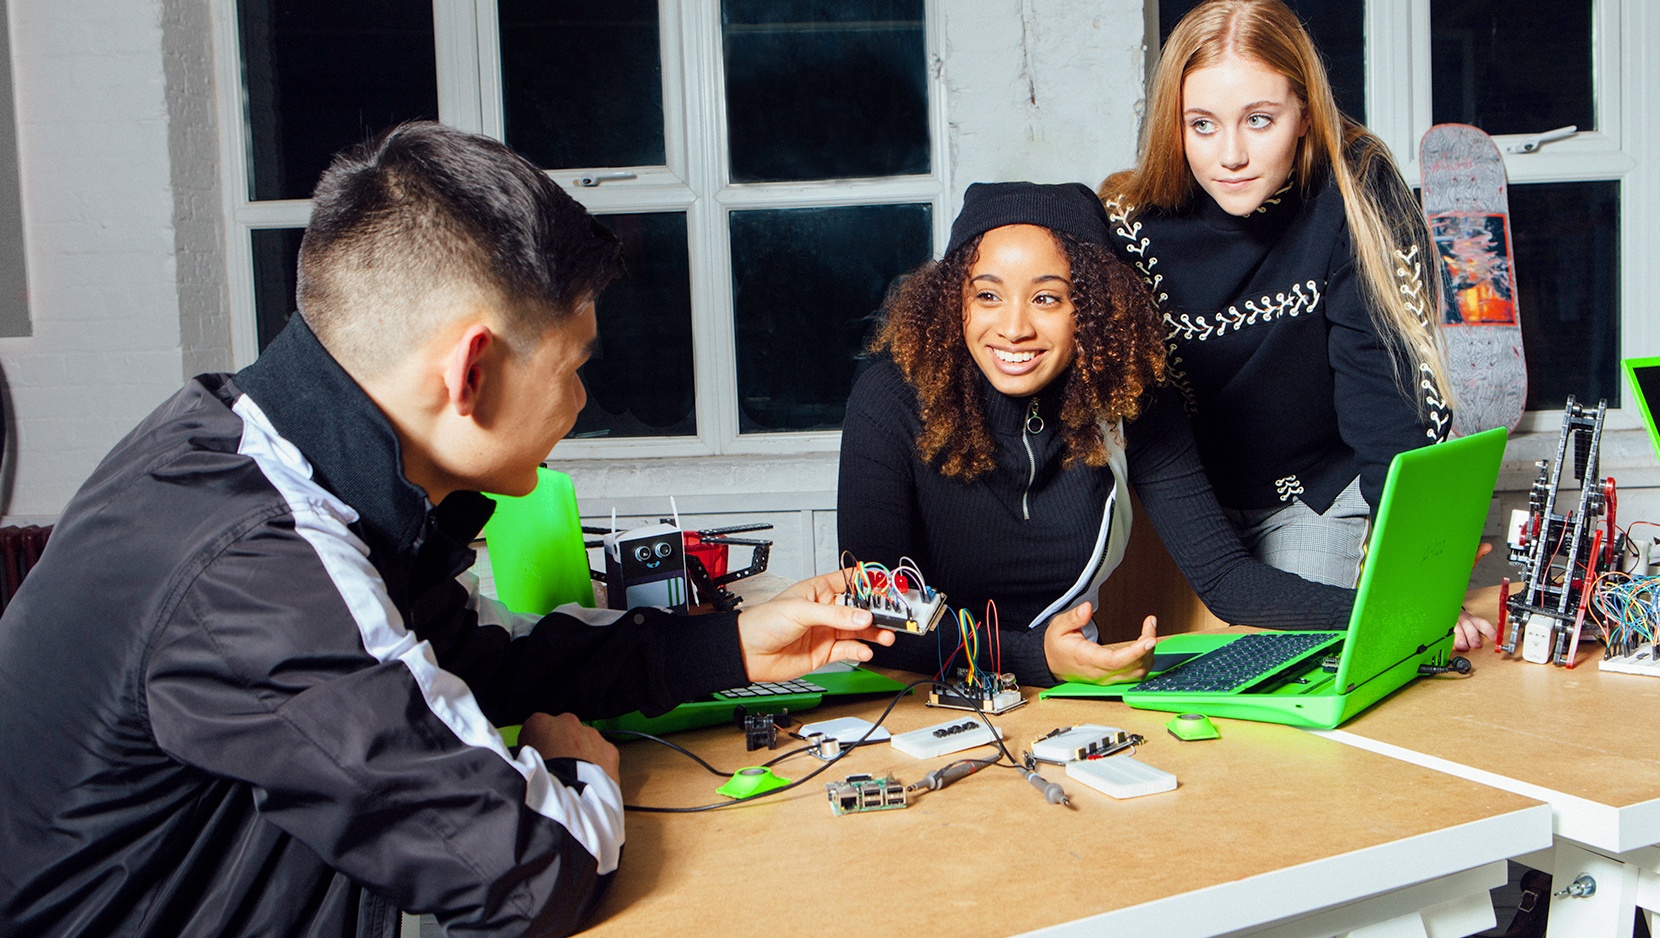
[(1468, 208)]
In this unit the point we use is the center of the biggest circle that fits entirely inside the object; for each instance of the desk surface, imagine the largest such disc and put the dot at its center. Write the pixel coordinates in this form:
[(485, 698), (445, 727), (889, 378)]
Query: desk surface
[(1269, 823), (1582, 740)]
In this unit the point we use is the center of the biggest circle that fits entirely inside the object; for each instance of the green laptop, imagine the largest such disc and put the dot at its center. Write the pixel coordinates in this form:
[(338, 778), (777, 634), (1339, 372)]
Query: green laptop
[(1418, 563), (1644, 375)]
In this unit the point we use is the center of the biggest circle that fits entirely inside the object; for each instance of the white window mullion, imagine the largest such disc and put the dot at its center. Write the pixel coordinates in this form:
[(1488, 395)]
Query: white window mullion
[(713, 336), (460, 39), (1640, 189), (1394, 74)]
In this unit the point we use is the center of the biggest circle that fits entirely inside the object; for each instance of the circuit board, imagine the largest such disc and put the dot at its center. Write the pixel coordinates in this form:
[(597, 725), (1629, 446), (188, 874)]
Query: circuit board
[(858, 793)]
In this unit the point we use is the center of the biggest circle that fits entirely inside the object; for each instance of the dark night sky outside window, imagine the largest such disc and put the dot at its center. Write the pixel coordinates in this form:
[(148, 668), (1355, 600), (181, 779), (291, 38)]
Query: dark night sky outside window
[(640, 380), (276, 258), (805, 284), (1512, 66), (321, 76), (582, 83), (825, 89)]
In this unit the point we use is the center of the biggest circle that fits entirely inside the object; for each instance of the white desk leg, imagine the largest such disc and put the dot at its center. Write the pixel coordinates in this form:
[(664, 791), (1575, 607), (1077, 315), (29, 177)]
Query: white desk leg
[(1609, 912)]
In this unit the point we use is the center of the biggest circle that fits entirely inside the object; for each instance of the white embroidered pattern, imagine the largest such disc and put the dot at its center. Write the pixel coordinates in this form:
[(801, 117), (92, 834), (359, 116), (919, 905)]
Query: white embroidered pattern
[(1288, 487), (1301, 298), (1118, 213), (1275, 198), (1409, 273)]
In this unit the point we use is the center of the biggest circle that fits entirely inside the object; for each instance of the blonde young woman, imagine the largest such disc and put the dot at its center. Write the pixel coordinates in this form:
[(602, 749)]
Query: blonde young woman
[(1295, 278)]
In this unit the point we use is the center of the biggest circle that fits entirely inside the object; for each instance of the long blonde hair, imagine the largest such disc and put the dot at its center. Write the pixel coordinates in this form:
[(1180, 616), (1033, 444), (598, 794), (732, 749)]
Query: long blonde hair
[(1398, 262)]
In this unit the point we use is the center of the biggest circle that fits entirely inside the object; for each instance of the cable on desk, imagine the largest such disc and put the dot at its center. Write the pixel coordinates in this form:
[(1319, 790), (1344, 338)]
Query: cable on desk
[(675, 746), (897, 697)]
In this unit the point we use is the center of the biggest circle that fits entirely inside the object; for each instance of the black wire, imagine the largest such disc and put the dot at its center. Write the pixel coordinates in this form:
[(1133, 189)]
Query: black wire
[(654, 809), (675, 746)]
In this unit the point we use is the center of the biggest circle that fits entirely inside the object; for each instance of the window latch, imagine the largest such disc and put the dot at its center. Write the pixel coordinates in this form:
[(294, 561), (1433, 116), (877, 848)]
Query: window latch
[(590, 180), (1533, 143)]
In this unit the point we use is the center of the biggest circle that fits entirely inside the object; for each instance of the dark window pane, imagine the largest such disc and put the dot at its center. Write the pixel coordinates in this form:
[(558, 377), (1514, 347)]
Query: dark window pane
[(582, 83), (825, 89), (1567, 242), (640, 378), (323, 75), (276, 272), (1512, 66), (1339, 32), (805, 282)]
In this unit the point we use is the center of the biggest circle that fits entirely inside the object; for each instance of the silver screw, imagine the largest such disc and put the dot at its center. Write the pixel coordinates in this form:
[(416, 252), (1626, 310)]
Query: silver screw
[(1583, 887)]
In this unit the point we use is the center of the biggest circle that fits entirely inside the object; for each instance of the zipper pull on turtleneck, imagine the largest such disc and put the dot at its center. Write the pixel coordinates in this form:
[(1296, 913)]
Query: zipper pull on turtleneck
[(1034, 426), (1034, 423)]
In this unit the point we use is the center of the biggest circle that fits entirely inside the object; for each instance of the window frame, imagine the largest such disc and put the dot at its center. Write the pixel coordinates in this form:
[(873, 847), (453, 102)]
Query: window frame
[(1399, 110), (693, 179)]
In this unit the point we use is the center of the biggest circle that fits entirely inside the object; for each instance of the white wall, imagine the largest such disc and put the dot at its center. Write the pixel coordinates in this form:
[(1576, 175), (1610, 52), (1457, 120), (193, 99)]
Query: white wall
[(98, 222)]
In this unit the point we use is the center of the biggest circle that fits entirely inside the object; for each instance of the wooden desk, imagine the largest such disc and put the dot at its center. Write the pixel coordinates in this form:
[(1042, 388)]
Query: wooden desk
[(1580, 740), (1272, 828)]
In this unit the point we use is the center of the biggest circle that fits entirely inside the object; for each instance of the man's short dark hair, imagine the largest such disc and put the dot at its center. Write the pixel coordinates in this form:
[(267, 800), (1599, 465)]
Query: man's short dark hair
[(425, 214)]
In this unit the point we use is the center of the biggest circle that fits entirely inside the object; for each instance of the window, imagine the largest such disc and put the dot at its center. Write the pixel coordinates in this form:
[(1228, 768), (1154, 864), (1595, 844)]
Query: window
[(1517, 68), (770, 165)]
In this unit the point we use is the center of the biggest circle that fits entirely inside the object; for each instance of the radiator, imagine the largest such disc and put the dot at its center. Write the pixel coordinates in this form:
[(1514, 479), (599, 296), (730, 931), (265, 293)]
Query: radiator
[(20, 547)]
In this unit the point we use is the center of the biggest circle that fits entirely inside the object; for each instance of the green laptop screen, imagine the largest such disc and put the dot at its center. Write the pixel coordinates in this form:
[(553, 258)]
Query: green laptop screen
[(1645, 380)]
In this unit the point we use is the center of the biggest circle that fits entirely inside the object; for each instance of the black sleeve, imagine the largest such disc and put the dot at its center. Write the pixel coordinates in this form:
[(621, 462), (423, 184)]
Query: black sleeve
[(878, 519), (285, 667), (595, 663), (1375, 415), (1171, 482)]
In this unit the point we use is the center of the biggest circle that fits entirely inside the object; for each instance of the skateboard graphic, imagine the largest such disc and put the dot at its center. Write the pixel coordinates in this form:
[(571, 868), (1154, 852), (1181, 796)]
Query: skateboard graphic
[(1468, 210)]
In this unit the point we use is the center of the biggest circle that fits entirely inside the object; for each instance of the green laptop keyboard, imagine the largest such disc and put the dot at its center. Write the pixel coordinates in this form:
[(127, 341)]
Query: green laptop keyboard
[(1236, 665)]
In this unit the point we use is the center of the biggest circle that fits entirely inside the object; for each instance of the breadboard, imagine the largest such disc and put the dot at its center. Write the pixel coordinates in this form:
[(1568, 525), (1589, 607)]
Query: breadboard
[(1642, 661), (1079, 742), (946, 738), (1121, 776)]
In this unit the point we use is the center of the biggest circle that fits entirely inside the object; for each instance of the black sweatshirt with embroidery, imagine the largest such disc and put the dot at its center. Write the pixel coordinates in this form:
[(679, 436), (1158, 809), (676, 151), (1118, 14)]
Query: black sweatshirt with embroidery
[(1291, 390)]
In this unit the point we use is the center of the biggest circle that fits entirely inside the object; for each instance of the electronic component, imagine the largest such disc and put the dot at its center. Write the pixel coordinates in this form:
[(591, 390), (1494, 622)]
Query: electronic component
[(997, 695), (898, 600), (946, 774), (761, 729), (820, 746), (1560, 550), (1121, 776), (1072, 743), (910, 611), (1640, 661), (750, 781), (1052, 791), (1189, 727), (857, 793), (945, 738)]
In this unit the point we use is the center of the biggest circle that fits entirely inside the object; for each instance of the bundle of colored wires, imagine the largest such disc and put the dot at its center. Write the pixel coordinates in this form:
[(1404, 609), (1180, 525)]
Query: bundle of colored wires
[(1627, 609), (968, 632), (867, 581)]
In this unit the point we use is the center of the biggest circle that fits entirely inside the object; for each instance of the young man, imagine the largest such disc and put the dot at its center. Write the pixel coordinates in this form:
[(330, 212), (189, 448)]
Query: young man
[(244, 691)]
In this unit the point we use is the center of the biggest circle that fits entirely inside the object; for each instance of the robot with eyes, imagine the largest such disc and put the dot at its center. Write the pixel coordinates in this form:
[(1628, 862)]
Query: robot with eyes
[(646, 567)]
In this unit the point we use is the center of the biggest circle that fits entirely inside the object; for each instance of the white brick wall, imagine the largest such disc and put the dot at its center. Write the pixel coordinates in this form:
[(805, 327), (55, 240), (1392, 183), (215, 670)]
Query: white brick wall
[(98, 222)]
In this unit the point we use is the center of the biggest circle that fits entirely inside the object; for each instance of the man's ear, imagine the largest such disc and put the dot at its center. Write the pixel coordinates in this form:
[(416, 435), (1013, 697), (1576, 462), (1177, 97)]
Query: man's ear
[(463, 368)]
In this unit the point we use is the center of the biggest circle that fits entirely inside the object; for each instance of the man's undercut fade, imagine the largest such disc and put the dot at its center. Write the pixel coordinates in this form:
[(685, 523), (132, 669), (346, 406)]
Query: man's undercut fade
[(425, 215)]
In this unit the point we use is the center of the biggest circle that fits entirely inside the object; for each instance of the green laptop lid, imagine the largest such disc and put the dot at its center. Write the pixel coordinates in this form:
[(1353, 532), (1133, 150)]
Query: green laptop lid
[(1422, 549), (1644, 375)]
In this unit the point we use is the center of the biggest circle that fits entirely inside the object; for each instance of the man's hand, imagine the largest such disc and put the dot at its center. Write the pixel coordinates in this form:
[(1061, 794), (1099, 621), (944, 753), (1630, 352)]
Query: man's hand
[(1073, 657), (801, 629), (564, 737)]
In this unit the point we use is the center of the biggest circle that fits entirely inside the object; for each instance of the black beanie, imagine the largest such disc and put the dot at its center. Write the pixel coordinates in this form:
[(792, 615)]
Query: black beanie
[(1070, 207)]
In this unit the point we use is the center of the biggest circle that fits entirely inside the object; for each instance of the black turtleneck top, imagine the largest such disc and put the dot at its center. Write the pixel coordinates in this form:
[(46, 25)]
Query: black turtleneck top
[(1291, 390), (1023, 534)]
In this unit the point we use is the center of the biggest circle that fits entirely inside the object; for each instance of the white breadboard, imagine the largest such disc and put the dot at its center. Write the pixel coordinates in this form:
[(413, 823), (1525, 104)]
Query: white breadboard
[(1121, 776), (946, 738), (1640, 662), (1079, 742)]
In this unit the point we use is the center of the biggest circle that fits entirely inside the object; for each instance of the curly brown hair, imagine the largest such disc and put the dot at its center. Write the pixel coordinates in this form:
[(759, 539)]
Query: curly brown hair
[(1120, 356)]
